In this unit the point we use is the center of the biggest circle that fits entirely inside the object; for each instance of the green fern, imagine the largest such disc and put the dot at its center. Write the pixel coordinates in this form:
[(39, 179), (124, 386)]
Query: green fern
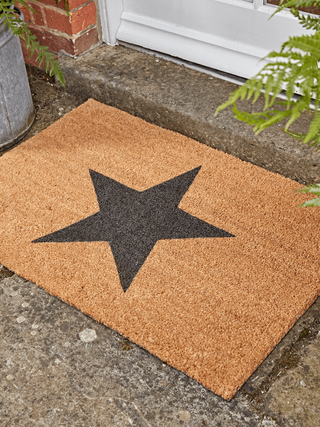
[(294, 68), (20, 28), (313, 189), (307, 21), (295, 4)]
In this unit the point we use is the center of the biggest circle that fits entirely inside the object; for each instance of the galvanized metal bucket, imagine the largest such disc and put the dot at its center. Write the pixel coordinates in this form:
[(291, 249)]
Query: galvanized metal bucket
[(16, 106)]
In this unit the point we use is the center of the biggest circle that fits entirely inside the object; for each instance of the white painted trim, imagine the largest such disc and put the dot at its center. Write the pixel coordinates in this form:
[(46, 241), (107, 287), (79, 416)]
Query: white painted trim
[(227, 35), (214, 52), (110, 15), (206, 49), (258, 4), (144, 24)]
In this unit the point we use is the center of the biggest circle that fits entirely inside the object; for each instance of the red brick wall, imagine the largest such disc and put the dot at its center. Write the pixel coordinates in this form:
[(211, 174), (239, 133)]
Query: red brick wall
[(54, 28)]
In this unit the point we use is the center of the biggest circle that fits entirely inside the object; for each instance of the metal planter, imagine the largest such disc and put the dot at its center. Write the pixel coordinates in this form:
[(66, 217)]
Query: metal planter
[(16, 106)]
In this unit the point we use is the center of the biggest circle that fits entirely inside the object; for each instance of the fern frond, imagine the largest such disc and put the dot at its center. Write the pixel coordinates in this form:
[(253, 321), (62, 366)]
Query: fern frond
[(294, 67), (307, 21), (308, 43), (262, 119), (313, 128), (315, 142), (20, 28), (23, 3), (296, 135), (66, 5), (302, 137), (296, 4), (313, 189), (311, 203)]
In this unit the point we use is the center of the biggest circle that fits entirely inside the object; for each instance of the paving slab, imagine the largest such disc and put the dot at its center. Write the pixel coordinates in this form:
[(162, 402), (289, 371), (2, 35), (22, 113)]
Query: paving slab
[(184, 100), (294, 399), (61, 368)]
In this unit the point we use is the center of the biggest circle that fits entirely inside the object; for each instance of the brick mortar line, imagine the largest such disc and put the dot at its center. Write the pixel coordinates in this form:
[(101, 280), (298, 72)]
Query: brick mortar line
[(55, 8), (83, 5), (44, 17), (61, 33), (64, 53), (70, 55)]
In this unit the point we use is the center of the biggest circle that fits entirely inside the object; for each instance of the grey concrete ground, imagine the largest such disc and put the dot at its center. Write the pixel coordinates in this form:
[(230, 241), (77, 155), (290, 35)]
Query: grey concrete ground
[(60, 368)]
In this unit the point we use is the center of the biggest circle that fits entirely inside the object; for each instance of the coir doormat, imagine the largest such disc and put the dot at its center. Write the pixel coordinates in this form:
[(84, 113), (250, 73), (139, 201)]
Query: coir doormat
[(204, 260)]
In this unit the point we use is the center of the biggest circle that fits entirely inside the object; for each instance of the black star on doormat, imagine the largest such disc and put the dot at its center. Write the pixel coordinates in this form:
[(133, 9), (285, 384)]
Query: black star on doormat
[(133, 221)]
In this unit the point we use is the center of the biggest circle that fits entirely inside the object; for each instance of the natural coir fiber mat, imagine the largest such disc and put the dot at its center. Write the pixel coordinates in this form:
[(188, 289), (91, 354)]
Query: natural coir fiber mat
[(204, 260)]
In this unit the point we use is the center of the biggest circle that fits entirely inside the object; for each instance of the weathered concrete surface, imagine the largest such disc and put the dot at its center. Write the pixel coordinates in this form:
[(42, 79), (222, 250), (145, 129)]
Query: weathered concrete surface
[(185, 100), (294, 399), (308, 326), (60, 368)]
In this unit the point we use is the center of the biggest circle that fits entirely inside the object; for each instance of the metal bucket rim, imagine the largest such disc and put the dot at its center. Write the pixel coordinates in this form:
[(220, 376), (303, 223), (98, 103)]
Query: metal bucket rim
[(4, 30), (21, 16)]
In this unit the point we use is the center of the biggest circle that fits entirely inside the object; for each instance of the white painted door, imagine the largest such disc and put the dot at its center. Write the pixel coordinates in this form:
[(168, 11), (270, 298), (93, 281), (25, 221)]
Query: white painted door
[(227, 35)]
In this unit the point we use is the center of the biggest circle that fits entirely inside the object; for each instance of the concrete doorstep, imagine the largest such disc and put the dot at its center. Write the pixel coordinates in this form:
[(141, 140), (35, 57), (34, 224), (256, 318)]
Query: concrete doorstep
[(184, 100), (60, 368)]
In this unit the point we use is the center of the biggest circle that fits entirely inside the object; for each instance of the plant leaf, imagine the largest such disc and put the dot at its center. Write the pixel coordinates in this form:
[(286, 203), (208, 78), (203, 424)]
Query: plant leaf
[(313, 188), (311, 203)]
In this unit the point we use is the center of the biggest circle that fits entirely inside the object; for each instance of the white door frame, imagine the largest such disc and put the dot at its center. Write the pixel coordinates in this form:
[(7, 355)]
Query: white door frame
[(110, 18), (227, 48)]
